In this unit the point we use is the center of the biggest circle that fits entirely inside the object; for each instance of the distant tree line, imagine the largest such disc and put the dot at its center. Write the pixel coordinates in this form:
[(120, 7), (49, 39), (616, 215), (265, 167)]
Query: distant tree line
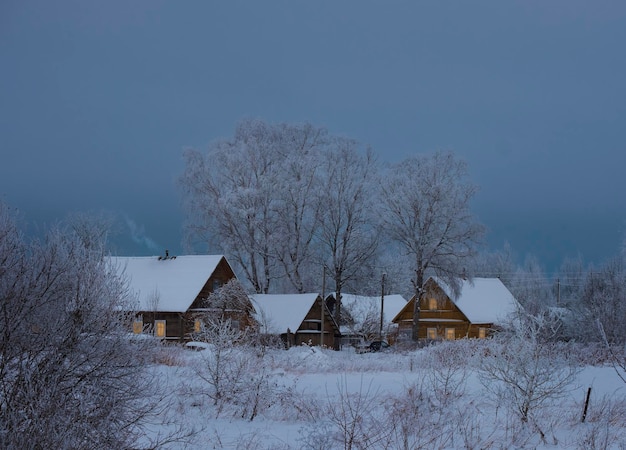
[(299, 209)]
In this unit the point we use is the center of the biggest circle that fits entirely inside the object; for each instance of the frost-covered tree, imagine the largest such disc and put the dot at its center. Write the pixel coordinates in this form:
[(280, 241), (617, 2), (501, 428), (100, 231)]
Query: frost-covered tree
[(281, 200), (499, 264), (526, 369), (426, 208), (70, 375), (230, 297), (604, 302), (297, 203), (347, 237), (530, 286), (229, 195)]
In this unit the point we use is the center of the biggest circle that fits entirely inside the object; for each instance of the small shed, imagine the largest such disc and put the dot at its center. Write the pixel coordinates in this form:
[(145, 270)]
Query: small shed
[(483, 304), (297, 318), (169, 291)]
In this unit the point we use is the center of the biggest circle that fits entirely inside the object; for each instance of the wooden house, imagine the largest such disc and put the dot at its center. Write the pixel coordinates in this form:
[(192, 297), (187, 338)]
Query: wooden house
[(297, 319), (482, 305), (170, 292)]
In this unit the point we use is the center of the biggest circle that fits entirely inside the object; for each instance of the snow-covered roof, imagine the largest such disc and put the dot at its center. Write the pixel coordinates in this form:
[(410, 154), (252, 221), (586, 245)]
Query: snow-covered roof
[(175, 281), (278, 312), (483, 300), (359, 305)]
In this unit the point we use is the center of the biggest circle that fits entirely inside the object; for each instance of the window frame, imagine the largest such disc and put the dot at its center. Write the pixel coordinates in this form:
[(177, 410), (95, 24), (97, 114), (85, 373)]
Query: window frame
[(137, 326), (160, 328)]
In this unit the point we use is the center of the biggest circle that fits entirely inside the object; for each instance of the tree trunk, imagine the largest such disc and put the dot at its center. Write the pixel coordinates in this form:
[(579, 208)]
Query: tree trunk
[(419, 293)]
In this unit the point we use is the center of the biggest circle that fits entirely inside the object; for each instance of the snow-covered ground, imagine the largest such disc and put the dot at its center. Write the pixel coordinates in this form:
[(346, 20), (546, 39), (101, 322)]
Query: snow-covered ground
[(309, 398)]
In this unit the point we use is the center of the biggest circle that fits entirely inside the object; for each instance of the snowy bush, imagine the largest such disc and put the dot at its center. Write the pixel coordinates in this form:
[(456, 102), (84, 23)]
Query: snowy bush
[(71, 375)]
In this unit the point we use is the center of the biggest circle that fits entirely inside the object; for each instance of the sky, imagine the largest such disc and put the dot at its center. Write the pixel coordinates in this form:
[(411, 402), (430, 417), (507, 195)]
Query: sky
[(99, 99)]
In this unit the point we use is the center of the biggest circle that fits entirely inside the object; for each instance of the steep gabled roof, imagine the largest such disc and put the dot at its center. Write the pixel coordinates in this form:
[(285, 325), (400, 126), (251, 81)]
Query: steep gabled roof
[(483, 300), (175, 281), (278, 312)]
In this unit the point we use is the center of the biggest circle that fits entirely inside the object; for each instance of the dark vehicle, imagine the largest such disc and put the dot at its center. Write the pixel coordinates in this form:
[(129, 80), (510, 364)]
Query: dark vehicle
[(377, 346)]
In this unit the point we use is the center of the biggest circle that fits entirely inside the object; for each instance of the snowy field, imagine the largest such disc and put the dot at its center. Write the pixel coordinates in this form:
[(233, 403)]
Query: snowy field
[(436, 397)]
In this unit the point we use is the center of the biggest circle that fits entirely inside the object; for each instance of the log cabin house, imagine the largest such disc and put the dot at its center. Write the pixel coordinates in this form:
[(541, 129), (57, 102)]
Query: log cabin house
[(169, 292), (483, 304), (297, 319)]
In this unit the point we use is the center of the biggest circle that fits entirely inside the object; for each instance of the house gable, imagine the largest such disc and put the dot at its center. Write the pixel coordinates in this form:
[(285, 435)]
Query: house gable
[(482, 304), (221, 275), (165, 288), (297, 318)]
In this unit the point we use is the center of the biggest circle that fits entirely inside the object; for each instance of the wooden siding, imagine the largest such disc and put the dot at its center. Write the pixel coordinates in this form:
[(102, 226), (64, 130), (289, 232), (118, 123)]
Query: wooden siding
[(444, 316), (308, 333), (309, 329), (220, 276), (179, 326)]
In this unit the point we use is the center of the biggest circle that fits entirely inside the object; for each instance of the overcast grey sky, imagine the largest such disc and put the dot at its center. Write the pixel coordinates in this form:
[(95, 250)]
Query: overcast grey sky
[(97, 100)]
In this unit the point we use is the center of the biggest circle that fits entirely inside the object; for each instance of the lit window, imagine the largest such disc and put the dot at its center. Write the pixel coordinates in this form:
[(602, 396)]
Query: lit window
[(482, 332), (431, 333), (450, 335), (432, 303), (159, 328), (197, 326), (138, 326)]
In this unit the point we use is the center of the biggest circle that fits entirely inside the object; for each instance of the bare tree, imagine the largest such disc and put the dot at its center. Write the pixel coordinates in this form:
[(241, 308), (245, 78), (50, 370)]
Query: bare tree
[(604, 297), (530, 286), (347, 236), (71, 376), (426, 208), (253, 196), (526, 369), (298, 206), (229, 195), (232, 298)]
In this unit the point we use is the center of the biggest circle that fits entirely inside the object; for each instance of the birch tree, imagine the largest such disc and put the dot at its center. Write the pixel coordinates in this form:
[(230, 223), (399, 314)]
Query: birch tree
[(426, 208)]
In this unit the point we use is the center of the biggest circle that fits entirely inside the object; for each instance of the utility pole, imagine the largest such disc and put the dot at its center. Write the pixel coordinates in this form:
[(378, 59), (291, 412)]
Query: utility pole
[(323, 305), (382, 305)]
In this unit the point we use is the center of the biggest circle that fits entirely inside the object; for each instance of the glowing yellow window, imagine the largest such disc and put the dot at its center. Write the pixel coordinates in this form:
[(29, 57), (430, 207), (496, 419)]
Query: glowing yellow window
[(432, 303), (431, 333), (137, 326), (482, 332), (450, 334), (197, 326), (159, 328)]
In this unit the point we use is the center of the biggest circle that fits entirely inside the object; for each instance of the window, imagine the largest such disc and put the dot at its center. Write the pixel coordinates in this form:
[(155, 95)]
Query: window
[(432, 304), (482, 332), (216, 285), (197, 326), (431, 333), (138, 326), (450, 334), (159, 328)]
